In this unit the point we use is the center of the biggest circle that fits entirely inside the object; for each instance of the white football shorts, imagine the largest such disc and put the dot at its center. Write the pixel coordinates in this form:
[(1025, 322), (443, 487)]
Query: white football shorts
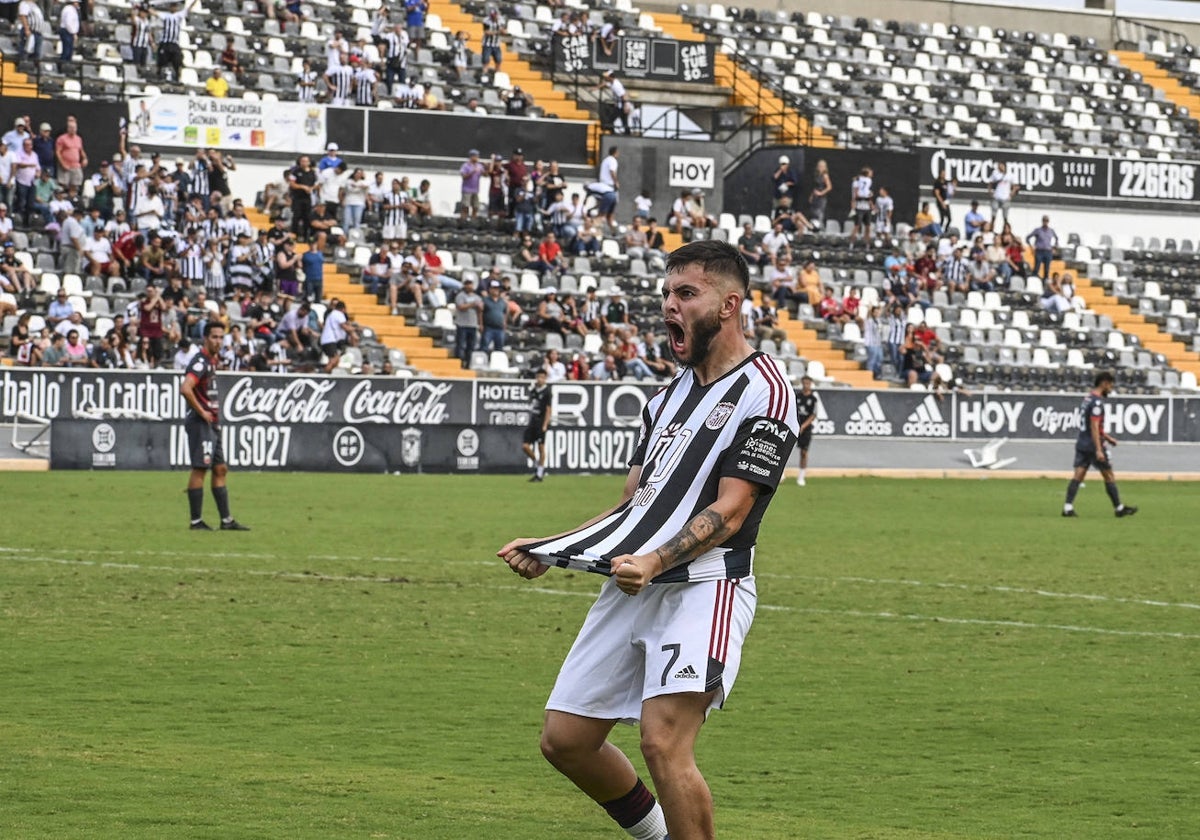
[(670, 638)]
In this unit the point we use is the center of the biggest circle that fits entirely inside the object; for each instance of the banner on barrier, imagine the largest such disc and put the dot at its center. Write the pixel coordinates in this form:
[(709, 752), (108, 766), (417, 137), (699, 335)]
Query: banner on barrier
[(662, 59), (203, 121), (1163, 182)]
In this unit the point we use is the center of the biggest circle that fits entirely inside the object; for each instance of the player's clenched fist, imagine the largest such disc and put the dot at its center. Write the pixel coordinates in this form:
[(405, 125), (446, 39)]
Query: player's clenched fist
[(524, 564), (634, 572)]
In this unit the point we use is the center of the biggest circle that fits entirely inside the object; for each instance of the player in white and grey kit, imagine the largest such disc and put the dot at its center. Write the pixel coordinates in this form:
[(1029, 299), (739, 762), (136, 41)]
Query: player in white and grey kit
[(662, 644)]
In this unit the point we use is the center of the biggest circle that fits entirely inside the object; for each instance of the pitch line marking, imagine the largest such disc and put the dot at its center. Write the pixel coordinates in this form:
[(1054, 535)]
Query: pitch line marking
[(317, 576), (971, 587), (987, 622)]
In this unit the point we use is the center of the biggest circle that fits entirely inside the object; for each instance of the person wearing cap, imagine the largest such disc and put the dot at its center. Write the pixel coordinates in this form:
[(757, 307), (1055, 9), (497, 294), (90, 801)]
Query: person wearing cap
[(471, 172), (516, 174), (332, 159), (516, 102), (68, 29), (17, 134), (69, 155), (43, 147), (14, 276), (618, 107), (784, 181), (468, 320), (494, 318)]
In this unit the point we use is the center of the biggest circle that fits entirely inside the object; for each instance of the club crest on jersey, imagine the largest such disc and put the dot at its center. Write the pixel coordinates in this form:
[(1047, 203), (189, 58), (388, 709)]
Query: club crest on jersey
[(719, 415)]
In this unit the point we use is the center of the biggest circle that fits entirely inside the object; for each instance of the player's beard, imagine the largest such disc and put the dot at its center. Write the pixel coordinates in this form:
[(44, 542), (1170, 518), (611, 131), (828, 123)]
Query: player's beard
[(698, 339)]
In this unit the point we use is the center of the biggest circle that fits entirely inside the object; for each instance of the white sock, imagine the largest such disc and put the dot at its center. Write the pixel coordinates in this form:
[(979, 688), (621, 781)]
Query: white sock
[(541, 471), (653, 826), (802, 474), (1068, 506)]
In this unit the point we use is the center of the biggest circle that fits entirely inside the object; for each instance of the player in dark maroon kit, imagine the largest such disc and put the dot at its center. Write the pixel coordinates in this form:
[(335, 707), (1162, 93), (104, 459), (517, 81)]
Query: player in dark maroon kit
[(199, 388)]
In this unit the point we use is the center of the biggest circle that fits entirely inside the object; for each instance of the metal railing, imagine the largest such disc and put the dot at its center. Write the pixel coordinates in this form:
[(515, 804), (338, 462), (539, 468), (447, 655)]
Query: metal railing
[(1131, 33)]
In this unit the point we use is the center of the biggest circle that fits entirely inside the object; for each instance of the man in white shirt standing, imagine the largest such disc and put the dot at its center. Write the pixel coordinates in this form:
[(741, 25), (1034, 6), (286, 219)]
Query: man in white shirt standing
[(608, 177), (336, 332), (68, 28), (1004, 187), (619, 105)]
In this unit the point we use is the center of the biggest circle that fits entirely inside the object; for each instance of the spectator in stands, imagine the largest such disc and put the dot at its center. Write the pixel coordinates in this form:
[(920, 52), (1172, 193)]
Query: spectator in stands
[(231, 63), (1004, 189), (75, 353), (1044, 240), (493, 29), (587, 240), (468, 320), (306, 82), (550, 254), (997, 257), (98, 250), (216, 85), (609, 177), (60, 309), (616, 314), (783, 283), (8, 171), (1057, 293), (27, 174), (851, 305), (818, 197), (944, 188), (973, 221), (924, 223), (106, 189), (516, 176), (366, 83), (956, 272), (694, 205), (170, 53), (784, 182), (302, 180), (617, 106), (339, 85), (914, 366), (885, 207), (31, 21), (44, 148), (862, 193), (981, 275), (14, 276), (635, 240), (1014, 253), (810, 287), (655, 245), (776, 241), (555, 370), (606, 370), (71, 241), (873, 331), (312, 264), (69, 24), (471, 172), (494, 318), (763, 323), (830, 309), (460, 56), (336, 333), (6, 223), (287, 269), (516, 102), (14, 138), (56, 354), (679, 220), (793, 221)]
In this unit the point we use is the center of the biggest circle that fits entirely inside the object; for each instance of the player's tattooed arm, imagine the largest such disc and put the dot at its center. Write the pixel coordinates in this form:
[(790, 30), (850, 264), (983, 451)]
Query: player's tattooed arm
[(707, 529)]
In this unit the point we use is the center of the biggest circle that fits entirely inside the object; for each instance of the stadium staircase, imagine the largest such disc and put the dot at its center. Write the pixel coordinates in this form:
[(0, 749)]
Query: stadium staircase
[(745, 91), (15, 83), (390, 330), (1175, 91), (814, 347), (520, 72), (1131, 322)]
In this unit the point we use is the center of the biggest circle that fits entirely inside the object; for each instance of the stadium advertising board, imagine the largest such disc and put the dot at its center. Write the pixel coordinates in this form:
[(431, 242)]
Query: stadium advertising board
[(1073, 176), (661, 59), (228, 124)]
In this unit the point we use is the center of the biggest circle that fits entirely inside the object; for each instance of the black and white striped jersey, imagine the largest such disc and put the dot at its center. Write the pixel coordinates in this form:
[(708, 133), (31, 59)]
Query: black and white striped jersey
[(396, 44), (200, 182), (140, 32), (190, 258), (242, 271), (172, 26), (393, 208), (342, 79), (364, 86), (742, 425)]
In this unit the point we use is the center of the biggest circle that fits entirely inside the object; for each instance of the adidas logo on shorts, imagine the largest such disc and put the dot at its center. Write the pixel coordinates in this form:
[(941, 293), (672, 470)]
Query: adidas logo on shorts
[(687, 673), (926, 420), (869, 419)]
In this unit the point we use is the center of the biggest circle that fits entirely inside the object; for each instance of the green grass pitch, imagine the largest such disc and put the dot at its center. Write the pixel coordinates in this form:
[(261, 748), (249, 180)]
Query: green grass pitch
[(931, 659)]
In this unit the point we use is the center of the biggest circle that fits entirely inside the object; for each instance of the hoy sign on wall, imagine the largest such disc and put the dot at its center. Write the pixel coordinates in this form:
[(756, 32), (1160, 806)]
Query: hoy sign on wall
[(692, 172)]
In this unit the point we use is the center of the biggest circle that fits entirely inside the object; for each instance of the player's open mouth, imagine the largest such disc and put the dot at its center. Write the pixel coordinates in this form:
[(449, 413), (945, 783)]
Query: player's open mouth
[(676, 335)]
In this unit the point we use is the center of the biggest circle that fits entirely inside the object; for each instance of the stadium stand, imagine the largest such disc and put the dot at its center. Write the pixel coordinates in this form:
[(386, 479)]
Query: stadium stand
[(818, 80)]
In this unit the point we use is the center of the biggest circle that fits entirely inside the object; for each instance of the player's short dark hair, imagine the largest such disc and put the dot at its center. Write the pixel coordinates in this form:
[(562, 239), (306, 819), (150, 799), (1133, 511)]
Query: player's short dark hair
[(715, 257), (1102, 377), (212, 325)]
